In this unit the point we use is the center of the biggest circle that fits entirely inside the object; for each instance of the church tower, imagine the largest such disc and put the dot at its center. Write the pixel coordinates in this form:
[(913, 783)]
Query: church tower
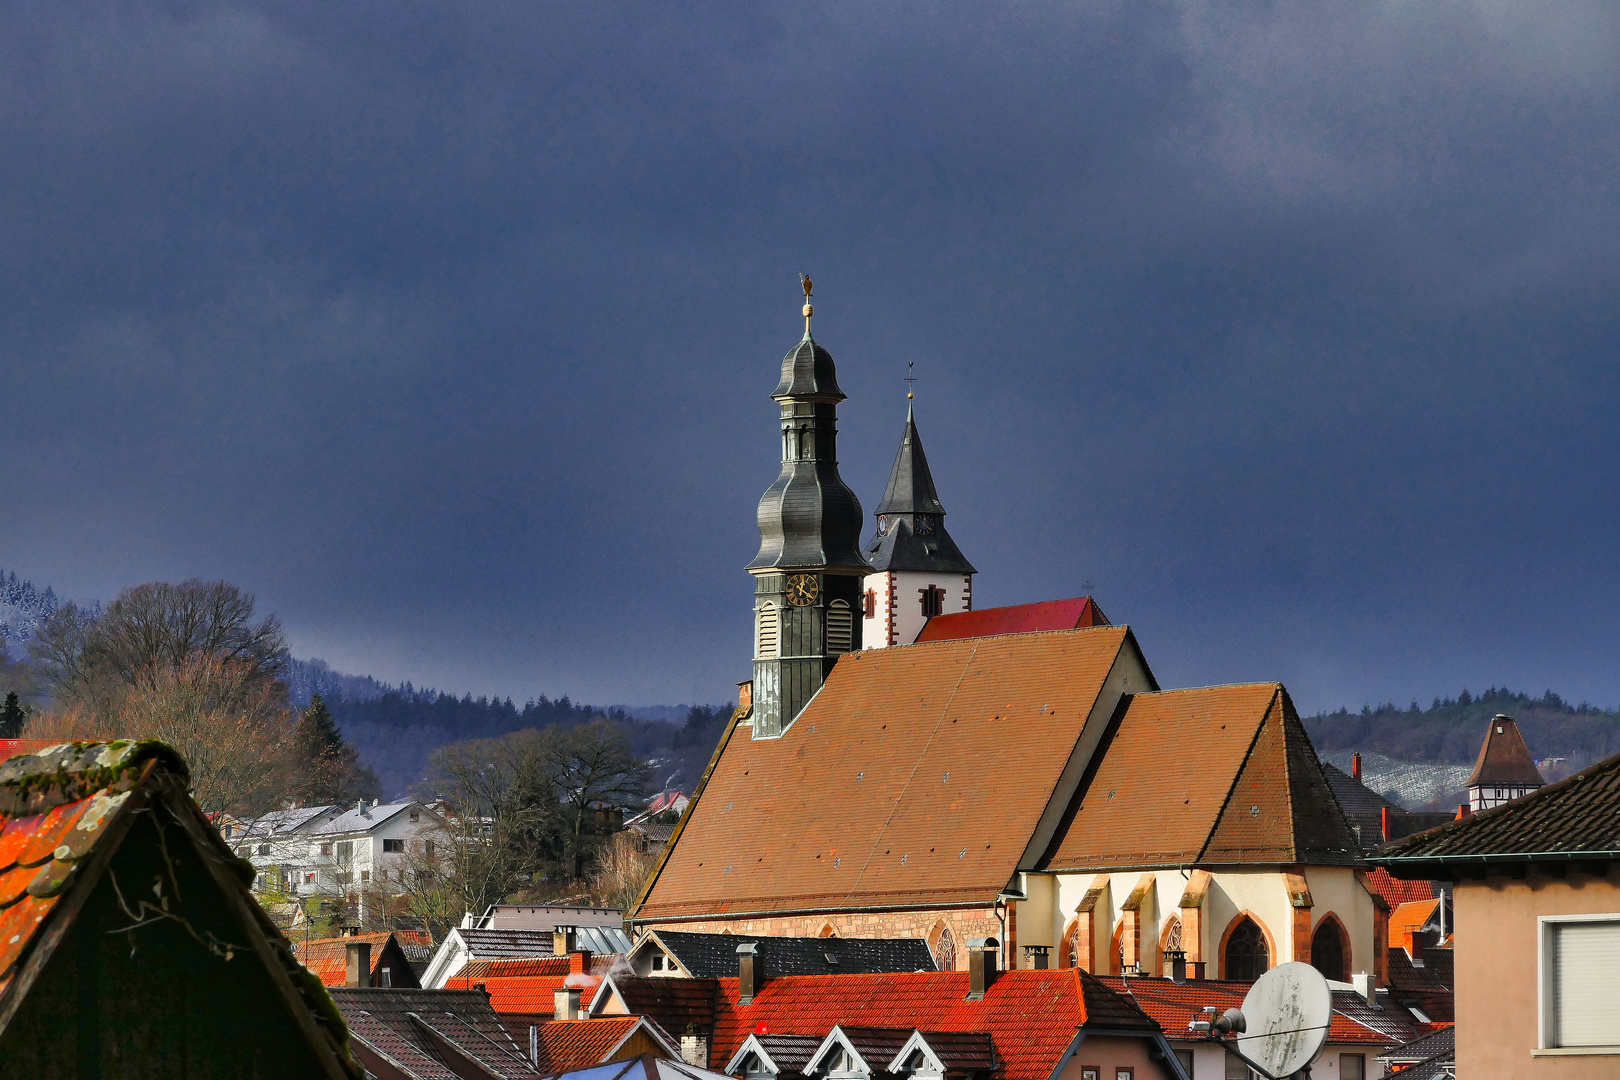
[(920, 571), (808, 573)]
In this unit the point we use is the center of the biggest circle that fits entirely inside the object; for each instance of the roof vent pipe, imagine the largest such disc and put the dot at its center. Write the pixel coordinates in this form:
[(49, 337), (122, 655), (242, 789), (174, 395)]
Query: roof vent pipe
[(357, 972), (750, 971), (982, 954), (565, 1003)]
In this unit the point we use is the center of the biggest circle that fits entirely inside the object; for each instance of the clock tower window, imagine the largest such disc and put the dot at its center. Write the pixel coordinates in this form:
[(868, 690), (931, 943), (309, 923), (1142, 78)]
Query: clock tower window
[(933, 601)]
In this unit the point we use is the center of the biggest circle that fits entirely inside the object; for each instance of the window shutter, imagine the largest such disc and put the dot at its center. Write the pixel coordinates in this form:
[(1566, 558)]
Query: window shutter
[(765, 635), (840, 620), (1587, 1002)]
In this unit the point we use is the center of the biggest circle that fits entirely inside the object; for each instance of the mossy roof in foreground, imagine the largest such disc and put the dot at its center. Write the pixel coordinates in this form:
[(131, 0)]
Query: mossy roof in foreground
[(64, 810)]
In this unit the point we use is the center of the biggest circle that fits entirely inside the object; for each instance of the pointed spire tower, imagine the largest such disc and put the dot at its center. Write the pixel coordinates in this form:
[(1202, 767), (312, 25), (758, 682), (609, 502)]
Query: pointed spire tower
[(808, 573), (920, 570)]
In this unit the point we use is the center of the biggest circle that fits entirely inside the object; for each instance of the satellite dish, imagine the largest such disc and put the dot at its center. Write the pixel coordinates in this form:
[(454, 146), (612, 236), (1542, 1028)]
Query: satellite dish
[(1285, 1020)]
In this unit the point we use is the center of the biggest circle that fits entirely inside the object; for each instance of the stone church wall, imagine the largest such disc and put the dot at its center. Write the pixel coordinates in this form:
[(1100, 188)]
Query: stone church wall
[(963, 924)]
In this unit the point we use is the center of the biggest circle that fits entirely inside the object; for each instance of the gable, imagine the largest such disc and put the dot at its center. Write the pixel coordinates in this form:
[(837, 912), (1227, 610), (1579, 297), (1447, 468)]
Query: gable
[(917, 776), (1213, 776)]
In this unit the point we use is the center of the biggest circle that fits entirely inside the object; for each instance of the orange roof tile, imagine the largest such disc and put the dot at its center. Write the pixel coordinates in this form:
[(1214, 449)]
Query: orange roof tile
[(1212, 776), (1407, 919), (1030, 1016), (917, 776), (524, 985), (578, 1044), (328, 958), (12, 747), (1396, 891)]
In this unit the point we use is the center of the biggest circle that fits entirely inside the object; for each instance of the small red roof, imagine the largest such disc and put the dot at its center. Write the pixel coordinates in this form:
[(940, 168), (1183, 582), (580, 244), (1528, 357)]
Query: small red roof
[(578, 1044), (1504, 758), (1407, 919), (1397, 892), (328, 958), (526, 985), (12, 747), (1075, 614)]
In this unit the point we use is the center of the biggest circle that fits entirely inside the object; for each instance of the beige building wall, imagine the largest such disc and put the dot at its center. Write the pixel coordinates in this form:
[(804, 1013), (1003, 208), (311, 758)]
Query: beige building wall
[(1497, 963), (1108, 1054)]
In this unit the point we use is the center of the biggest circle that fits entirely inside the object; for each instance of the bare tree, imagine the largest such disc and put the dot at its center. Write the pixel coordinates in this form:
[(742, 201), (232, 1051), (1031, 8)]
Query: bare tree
[(622, 867), (596, 777)]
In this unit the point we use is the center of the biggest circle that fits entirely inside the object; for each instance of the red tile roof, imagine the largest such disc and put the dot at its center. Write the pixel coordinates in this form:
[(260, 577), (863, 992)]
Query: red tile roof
[(1031, 1016), (1234, 765), (328, 958), (1407, 919), (947, 756), (1174, 1005), (13, 747), (1396, 891), (527, 985), (1504, 758), (579, 1044), (1075, 614)]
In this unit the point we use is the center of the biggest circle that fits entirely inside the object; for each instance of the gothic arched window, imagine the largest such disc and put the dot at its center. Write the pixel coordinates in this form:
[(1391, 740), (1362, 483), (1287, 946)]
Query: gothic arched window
[(1247, 956), (1327, 951), (945, 950)]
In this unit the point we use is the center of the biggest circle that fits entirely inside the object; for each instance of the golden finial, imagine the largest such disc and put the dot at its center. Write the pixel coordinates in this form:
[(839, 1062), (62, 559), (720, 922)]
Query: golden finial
[(910, 378), (806, 284)]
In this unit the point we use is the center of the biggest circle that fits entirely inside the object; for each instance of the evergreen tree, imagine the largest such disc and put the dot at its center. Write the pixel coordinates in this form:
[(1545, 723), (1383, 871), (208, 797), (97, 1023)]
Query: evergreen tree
[(332, 772), (11, 717)]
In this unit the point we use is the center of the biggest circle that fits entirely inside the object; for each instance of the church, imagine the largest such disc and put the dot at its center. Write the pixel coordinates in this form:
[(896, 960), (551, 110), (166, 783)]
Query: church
[(902, 765)]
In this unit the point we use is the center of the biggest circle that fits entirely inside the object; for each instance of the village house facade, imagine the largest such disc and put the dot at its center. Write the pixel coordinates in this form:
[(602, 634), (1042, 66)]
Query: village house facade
[(336, 850), (1536, 906)]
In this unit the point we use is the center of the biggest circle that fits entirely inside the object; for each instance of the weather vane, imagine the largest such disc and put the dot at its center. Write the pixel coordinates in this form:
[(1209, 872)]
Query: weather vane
[(910, 378), (806, 284)]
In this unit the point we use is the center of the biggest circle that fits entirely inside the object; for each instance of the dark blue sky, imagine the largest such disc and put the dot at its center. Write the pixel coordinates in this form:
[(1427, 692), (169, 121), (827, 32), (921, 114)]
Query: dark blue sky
[(449, 332)]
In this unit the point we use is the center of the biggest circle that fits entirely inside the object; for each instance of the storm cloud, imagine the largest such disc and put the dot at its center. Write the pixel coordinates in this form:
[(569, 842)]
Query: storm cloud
[(448, 330)]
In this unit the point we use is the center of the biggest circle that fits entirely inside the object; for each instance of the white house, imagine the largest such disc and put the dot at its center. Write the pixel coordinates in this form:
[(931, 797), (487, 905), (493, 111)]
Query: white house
[(333, 850)]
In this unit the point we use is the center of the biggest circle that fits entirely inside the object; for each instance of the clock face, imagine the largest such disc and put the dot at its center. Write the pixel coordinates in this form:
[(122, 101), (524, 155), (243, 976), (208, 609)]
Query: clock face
[(801, 590), (883, 524), (925, 525)]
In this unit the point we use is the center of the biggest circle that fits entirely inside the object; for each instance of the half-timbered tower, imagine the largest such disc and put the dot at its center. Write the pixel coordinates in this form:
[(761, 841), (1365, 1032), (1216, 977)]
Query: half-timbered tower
[(920, 572), (808, 573)]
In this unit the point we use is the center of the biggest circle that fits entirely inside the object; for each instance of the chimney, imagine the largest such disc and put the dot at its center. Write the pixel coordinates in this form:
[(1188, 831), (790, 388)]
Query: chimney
[(750, 971), (579, 962), (745, 697), (695, 1048), (1039, 956), (359, 966), (360, 806), (982, 954), (563, 939), (1365, 986), (1383, 815), (1178, 964), (1198, 967), (1463, 810), (1355, 767), (565, 1003)]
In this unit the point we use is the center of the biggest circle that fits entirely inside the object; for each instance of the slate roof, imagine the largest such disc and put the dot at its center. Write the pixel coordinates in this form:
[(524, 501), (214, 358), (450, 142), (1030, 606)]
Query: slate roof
[(1174, 1005), (1363, 807), (675, 1003), (1079, 613), (1440, 1041), (789, 1053), (358, 820), (577, 1044), (965, 740), (429, 1034), (1503, 757), (961, 1051), (1430, 987), (1578, 818), (808, 372), (328, 958), (1031, 1017), (898, 545), (65, 810), (1217, 776), (876, 1046), (716, 954)]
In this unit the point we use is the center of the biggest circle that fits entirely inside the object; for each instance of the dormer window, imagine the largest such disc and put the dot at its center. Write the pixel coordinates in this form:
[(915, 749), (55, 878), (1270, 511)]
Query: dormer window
[(754, 1068)]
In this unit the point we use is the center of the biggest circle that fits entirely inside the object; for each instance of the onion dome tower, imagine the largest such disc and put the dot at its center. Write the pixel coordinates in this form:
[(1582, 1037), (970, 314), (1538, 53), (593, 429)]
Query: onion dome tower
[(808, 573), (920, 570)]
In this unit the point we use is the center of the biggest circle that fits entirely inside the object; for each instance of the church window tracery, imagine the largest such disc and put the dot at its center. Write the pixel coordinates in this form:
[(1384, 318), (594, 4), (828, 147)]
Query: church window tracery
[(1247, 955)]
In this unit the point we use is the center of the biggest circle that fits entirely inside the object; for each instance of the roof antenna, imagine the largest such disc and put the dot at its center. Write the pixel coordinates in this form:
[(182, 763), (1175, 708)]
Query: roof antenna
[(806, 284)]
